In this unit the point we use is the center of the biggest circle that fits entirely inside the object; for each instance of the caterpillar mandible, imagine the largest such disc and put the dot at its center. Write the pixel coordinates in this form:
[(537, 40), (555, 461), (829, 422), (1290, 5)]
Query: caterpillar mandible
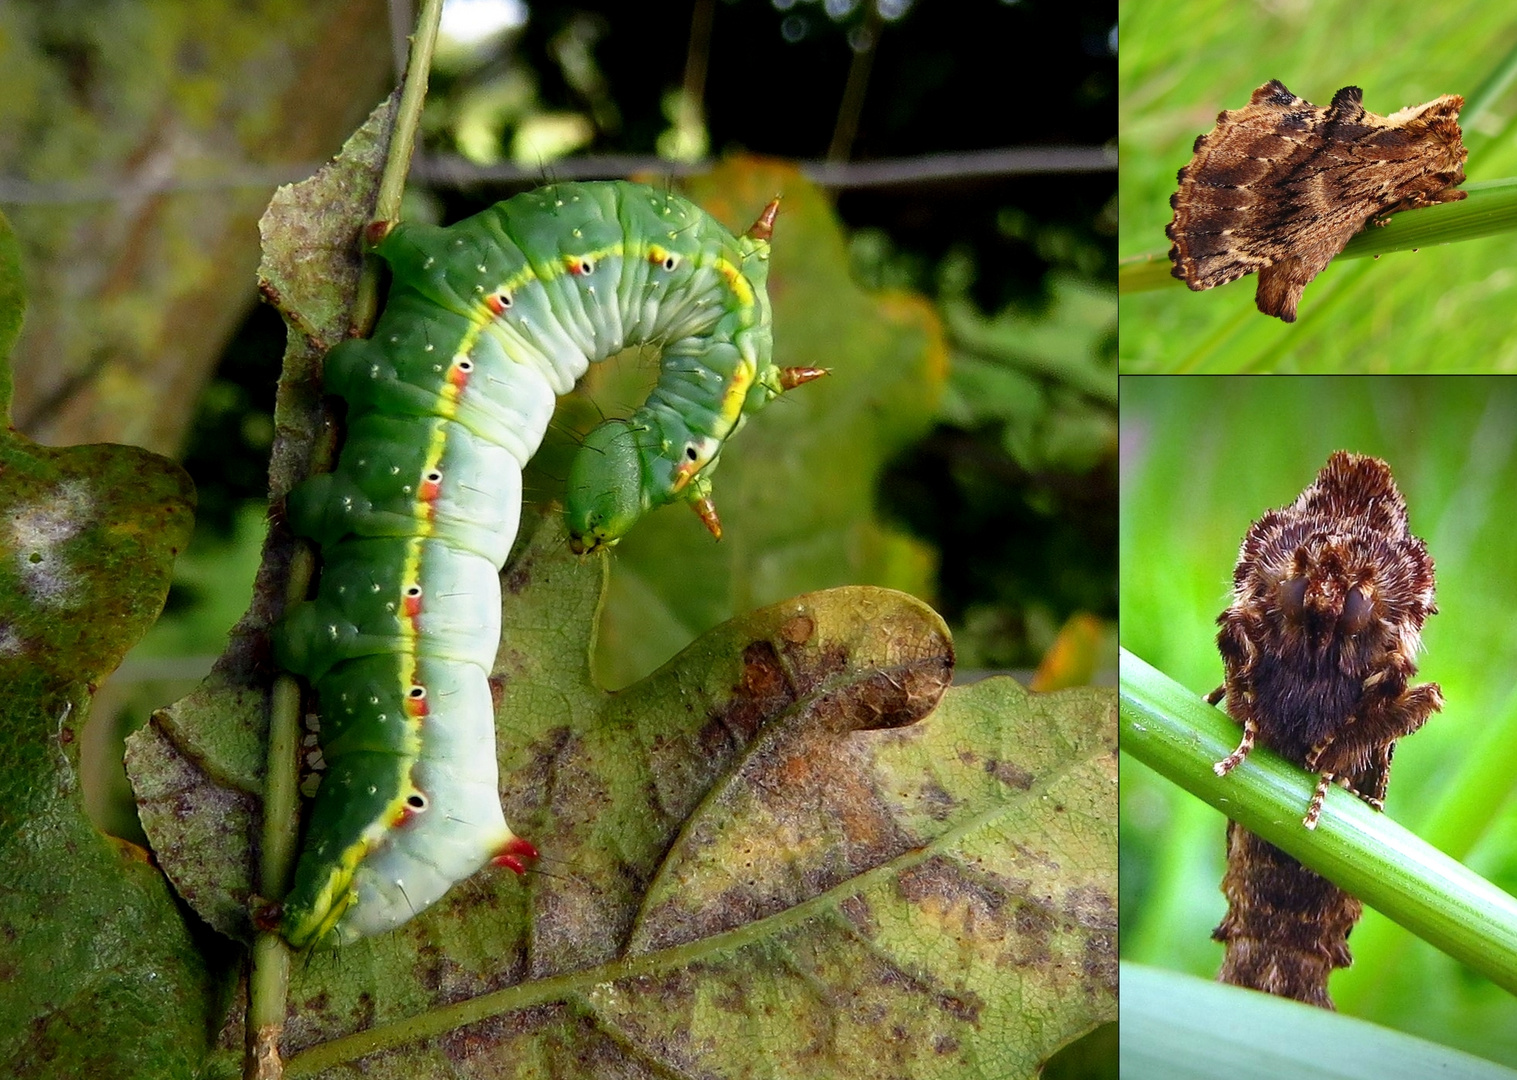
[(485, 323)]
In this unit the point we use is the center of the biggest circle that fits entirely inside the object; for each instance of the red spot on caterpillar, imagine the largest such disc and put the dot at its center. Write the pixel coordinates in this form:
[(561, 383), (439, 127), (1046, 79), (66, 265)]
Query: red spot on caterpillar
[(515, 855), (430, 489), (375, 231), (411, 602), (496, 304)]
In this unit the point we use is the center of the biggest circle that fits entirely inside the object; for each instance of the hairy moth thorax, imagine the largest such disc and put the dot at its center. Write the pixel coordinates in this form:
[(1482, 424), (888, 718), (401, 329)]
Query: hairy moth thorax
[(1319, 644)]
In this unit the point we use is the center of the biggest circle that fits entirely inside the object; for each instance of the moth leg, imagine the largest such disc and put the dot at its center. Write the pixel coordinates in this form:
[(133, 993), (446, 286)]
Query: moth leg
[(1418, 200), (1371, 782), (1314, 808), (1233, 760), (1375, 726), (1216, 695), (1314, 755)]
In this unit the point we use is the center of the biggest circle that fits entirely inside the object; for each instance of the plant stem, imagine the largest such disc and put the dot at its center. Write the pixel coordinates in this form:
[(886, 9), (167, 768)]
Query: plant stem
[(268, 980), (392, 183), (1173, 731)]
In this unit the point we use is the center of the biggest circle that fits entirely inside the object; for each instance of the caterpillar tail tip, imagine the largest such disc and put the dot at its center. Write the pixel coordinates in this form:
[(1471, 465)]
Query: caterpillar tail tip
[(515, 855)]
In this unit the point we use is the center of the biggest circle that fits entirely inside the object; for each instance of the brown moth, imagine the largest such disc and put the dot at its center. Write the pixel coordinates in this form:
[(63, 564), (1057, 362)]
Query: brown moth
[(1319, 643), (1280, 185)]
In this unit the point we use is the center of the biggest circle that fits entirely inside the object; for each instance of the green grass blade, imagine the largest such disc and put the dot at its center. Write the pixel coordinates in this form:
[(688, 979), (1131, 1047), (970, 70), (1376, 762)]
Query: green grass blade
[(1454, 909), (1179, 1027)]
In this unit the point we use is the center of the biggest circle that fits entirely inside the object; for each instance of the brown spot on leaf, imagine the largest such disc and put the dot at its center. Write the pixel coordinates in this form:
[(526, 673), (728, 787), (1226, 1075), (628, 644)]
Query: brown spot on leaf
[(858, 911), (516, 579), (1099, 963), (763, 690), (798, 630), (937, 802), (1010, 773)]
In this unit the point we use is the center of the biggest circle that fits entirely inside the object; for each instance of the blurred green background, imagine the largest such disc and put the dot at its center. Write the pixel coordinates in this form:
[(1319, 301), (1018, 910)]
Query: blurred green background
[(1444, 308), (1201, 459), (1010, 487)]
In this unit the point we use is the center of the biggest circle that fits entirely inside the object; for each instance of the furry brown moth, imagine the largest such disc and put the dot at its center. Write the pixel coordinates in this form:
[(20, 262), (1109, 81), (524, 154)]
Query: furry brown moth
[(1279, 186), (1319, 645)]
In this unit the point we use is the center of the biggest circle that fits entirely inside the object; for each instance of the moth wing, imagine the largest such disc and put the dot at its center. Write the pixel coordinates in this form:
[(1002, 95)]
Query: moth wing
[(1234, 212)]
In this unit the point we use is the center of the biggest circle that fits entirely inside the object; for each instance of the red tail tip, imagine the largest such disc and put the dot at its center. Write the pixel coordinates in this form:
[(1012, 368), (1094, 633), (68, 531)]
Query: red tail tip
[(515, 855)]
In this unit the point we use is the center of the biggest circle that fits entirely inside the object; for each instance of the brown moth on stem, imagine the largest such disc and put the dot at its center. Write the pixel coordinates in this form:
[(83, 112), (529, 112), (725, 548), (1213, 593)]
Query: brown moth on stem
[(1281, 185), (1319, 643)]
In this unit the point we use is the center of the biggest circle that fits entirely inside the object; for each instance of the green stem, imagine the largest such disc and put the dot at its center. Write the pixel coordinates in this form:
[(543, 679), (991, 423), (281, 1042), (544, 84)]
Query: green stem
[(392, 183), (1168, 728), (268, 979)]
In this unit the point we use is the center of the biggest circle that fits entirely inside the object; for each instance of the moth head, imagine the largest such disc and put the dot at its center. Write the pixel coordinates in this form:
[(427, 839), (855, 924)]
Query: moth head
[(1327, 606), (1435, 126), (607, 489)]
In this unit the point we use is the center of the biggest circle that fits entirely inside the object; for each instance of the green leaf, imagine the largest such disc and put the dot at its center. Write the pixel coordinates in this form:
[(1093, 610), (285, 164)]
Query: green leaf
[(101, 976), (768, 839), (1179, 1027)]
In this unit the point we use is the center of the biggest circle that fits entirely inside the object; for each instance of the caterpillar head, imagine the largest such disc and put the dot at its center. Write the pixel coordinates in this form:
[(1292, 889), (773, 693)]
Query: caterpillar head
[(627, 468), (607, 493)]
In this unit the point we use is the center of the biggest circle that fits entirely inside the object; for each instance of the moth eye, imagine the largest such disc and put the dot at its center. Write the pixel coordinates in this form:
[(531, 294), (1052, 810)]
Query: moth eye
[(1358, 610), (1293, 597)]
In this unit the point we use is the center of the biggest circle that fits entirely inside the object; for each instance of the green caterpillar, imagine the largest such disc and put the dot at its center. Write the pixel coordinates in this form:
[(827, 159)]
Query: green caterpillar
[(486, 322)]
